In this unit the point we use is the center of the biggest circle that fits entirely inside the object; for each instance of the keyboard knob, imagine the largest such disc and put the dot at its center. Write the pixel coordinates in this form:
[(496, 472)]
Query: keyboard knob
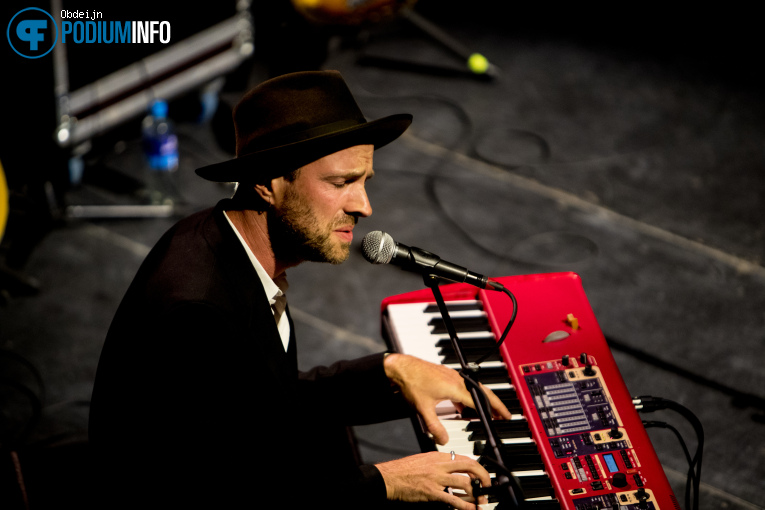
[(619, 480)]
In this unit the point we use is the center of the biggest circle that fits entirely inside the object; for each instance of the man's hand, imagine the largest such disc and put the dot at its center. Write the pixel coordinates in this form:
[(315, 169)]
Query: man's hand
[(423, 477), (425, 384)]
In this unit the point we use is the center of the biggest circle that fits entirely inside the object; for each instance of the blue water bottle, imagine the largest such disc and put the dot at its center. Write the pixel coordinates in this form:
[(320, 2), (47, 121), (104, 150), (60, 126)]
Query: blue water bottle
[(160, 146)]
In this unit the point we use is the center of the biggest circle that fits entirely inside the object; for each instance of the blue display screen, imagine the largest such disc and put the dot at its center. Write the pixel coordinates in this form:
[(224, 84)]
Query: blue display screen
[(610, 462)]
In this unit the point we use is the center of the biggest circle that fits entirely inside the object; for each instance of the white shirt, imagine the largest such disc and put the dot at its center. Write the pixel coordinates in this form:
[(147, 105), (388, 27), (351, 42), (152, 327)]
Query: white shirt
[(275, 290)]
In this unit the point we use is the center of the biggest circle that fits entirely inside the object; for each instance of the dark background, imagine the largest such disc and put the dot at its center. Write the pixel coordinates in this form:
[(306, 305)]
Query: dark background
[(625, 144)]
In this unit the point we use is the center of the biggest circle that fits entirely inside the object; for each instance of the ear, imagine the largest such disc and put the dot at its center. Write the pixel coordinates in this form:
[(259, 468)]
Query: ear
[(266, 192), (273, 191)]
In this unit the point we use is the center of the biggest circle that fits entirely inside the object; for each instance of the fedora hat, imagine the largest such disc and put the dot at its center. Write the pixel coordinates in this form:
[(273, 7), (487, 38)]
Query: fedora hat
[(294, 119)]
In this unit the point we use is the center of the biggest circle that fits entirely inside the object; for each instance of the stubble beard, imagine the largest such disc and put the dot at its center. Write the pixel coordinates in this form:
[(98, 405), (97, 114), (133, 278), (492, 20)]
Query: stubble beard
[(296, 235)]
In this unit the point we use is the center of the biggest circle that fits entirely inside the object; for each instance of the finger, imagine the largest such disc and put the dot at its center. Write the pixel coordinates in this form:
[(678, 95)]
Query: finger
[(468, 494), (498, 408), (457, 502), (461, 482), (463, 464), (434, 425)]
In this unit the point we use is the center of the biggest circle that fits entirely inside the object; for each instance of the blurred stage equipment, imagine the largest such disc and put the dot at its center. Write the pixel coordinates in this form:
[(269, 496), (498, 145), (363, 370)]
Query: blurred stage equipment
[(3, 201), (98, 106), (351, 12), (365, 12)]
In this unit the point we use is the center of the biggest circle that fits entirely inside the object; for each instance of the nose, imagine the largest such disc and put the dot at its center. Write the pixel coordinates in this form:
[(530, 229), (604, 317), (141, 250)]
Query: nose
[(360, 205)]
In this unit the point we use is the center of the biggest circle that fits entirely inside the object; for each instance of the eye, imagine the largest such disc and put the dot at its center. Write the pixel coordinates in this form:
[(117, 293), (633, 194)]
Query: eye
[(342, 182)]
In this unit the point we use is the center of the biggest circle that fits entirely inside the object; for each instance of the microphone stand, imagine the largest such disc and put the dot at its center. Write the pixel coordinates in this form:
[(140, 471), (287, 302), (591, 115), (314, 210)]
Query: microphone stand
[(506, 484)]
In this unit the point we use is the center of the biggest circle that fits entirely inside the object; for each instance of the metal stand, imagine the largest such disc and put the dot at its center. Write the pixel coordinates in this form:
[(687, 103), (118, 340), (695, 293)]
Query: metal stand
[(507, 485), (476, 64)]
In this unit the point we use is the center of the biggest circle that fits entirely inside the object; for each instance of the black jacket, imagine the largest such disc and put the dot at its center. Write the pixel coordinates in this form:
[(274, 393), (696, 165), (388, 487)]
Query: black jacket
[(196, 403)]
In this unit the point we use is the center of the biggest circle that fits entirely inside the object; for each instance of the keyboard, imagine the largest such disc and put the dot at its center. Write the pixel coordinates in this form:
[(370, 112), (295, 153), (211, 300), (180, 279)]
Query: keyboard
[(575, 440)]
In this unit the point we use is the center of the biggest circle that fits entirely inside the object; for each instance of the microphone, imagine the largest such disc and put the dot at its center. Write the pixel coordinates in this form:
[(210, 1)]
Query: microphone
[(380, 248)]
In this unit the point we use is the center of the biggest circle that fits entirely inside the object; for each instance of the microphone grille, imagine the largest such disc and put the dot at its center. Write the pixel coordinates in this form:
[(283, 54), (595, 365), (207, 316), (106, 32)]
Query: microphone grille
[(378, 247)]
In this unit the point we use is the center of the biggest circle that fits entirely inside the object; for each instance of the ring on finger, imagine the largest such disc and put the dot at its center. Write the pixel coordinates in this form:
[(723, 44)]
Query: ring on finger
[(452, 454)]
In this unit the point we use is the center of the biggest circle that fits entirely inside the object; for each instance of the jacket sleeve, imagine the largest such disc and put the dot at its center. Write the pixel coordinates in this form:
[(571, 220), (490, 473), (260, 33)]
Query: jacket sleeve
[(190, 413), (353, 392)]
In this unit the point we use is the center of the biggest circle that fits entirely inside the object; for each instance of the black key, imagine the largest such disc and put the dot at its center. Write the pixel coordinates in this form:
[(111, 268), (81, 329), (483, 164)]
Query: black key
[(516, 457), (513, 405), (455, 307), (536, 486), (492, 375), (549, 504), (511, 449), (471, 357), (461, 325), (508, 394), (517, 462), (544, 504), (506, 429), (487, 343)]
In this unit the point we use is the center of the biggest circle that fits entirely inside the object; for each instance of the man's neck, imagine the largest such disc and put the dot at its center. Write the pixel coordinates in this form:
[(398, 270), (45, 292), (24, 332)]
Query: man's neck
[(253, 227)]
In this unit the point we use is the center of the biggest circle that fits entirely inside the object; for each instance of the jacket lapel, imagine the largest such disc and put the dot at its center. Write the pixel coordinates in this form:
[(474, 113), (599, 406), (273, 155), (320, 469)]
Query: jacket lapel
[(253, 309)]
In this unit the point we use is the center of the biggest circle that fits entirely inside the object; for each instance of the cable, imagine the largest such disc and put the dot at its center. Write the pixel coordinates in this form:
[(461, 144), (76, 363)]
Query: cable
[(691, 480), (510, 322), (647, 404)]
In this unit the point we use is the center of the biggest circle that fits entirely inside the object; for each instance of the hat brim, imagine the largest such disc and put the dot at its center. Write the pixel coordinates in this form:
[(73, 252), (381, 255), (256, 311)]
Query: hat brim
[(276, 161)]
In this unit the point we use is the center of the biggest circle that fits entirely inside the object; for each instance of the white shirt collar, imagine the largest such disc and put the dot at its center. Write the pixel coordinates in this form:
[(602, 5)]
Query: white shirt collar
[(273, 288)]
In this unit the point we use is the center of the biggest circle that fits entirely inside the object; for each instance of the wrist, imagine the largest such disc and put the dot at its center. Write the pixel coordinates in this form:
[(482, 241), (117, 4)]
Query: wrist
[(391, 363)]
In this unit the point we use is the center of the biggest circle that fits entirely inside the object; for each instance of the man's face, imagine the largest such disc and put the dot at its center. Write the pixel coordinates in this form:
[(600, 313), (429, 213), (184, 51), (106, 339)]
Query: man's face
[(315, 214)]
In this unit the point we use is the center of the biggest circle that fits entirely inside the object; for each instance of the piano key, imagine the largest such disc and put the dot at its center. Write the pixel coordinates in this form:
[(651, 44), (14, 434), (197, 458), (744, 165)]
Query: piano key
[(523, 461), (413, 334), (506, 429), (483, 342), (470, 356), (492, 374), (455, 306), (461, 324), (460, 441), (507, 396)]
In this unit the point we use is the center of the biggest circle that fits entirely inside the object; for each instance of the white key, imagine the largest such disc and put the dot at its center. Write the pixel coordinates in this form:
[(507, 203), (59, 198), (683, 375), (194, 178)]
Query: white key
[(413, 335)]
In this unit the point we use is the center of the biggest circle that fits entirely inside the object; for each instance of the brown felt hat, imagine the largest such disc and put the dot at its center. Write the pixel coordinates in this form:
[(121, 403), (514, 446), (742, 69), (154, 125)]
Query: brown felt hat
[(289, 121)]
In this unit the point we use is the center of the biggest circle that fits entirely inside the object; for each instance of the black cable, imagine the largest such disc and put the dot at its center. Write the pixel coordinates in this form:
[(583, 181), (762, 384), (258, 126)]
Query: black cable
[(691, 477), (510, 322), (647, 404)]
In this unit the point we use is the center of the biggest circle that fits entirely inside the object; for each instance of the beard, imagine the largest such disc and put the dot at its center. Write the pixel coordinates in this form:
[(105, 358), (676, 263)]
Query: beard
[(297, 236)]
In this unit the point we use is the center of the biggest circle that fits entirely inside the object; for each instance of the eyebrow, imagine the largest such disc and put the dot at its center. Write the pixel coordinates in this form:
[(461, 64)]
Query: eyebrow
[(353, 175)]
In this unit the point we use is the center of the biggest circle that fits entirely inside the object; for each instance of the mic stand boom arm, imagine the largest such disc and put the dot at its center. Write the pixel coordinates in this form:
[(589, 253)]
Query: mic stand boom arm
[(506, 482)]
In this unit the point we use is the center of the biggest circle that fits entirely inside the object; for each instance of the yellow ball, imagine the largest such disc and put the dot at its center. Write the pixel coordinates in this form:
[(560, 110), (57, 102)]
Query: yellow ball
[(478, 63)]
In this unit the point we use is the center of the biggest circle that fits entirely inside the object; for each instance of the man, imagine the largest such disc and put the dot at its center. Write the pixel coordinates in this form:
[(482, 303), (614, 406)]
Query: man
[(198, 401)]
